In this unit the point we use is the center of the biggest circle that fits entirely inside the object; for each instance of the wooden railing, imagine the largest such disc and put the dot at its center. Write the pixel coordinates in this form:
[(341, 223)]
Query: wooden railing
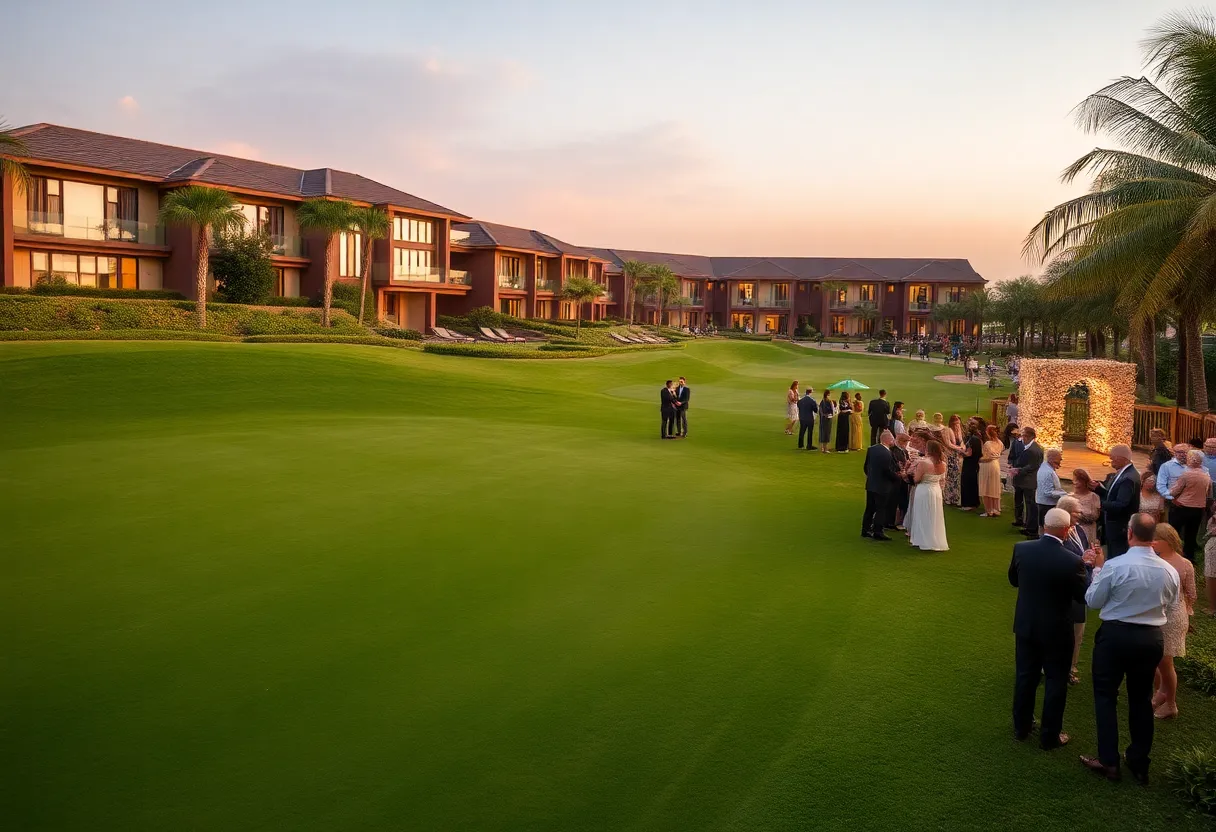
[(1179, 424), (1192, 425), (1149, 416)]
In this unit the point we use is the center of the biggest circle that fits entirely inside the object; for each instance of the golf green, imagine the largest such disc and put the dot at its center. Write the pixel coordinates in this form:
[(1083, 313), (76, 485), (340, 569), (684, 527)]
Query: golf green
[(333, 587)]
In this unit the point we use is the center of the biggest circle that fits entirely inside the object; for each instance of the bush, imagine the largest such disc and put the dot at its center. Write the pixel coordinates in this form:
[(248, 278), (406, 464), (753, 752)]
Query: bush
[(242, 268), (402, 334), (551, 347), (346, 296), (1194, 776), (62, 288), (485, 316), (278, 300), (115, 335), (493, 351)]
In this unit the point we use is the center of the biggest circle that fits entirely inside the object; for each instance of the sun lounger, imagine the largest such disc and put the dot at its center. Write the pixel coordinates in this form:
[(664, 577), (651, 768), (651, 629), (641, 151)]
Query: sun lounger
[(506, 336), (621, 338), (490, 335), (445, 335)]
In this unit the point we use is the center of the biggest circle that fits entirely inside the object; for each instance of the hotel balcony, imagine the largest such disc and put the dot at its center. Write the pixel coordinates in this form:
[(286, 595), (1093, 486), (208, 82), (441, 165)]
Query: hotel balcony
[(694, 300), (287, 245), (548, 285), (607, 297), (71, 227), (416, 274), (920, 306), (837, 305), (777, 303), (510, 281), (751, 302)]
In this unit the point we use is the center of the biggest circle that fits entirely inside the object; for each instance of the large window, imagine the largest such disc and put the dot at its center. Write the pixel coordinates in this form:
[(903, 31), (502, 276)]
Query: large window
[(350, 254), (82, 210), (742, 320), (544, 309), (839, 324), (747, 294), (868, 292), (566, 311), (263, 219), (956, 294), (85, 269), (780, 294), (413, 264), (510, 272), (919, 297), (413, 231), (510, 306), (576, 268)]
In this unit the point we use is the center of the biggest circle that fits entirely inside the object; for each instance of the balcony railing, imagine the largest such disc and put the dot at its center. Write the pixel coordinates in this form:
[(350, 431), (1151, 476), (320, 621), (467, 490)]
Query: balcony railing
[(460, 277), (548, 285), (90, 228), (287, 245), (694, 300), (778, 303), (920, 306), (838, 305), (402, 273), (511, 281), (608, 297), (745, 301)]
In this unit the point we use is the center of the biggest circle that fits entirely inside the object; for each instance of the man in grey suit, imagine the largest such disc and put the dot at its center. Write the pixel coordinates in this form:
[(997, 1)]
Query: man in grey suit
[(1025, 479)]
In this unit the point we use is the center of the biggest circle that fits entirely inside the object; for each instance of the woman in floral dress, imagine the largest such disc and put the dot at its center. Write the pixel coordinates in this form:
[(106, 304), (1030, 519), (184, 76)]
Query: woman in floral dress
[(952, 438)]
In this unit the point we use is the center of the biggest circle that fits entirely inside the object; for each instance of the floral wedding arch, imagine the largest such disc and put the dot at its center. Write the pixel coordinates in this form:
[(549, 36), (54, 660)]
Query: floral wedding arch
[(1043, 384)]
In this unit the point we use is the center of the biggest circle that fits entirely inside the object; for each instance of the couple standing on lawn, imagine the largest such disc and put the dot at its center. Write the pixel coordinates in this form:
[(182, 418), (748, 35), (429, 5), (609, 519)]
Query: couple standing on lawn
[(673, 410)]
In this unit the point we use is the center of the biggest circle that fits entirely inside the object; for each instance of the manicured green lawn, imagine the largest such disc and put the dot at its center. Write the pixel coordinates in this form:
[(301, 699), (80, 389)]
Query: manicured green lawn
[(332, 587)]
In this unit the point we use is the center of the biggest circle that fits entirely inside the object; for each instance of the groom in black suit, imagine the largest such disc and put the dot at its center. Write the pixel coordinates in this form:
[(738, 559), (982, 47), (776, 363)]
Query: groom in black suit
[(880, 414), (882, 478), (683, 394), (667, 411), (808, 409), (1049, 579), (1120, 495)]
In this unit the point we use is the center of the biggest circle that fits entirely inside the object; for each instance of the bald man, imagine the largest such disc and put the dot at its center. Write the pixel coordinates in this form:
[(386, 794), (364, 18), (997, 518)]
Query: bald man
[(1120, 495)]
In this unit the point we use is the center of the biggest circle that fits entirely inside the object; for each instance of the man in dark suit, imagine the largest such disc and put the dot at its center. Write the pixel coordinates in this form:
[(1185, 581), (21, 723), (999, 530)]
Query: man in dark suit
[(683, 394), (880, 414), (1049, 579), (881, 479), (1026, 479), (808, 409), (1016, 446), (667, 411), (899, 498), (1120, 494)]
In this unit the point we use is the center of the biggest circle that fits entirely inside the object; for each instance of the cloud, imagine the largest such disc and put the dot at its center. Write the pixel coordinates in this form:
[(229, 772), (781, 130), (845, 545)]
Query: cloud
[(128, 104)]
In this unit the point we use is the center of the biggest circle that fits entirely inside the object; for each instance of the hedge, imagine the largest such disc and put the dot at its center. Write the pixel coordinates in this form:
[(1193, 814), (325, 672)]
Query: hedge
[(368, 340), (55, 314), (401, 334), (69, 290), (492, 351), (116, 335), (286, 301)]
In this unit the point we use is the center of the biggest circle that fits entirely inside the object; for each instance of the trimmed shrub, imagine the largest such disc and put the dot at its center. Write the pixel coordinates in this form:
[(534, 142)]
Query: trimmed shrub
[(551, 347), (279, 300), (314, 338), (115, 335), (485, 316), (242, 268), (1193, 773), (65, 289), (346, 296), (402, 334)]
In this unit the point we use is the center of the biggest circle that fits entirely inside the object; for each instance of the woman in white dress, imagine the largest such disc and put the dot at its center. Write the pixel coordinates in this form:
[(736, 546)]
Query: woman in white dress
[(927, 529)]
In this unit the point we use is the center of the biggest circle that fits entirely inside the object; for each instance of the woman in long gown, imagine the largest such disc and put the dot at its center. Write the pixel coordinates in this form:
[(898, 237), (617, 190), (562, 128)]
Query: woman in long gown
[(843, 427), (856, 442), (927, 528), (952, 439), (990, 473), (969, 481), (791, 409), (827, 408)]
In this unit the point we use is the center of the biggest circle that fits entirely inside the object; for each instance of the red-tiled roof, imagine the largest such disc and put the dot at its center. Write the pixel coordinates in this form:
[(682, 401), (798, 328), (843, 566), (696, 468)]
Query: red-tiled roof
[(492, 235), (178, 165), (684, 265), (890, 269)]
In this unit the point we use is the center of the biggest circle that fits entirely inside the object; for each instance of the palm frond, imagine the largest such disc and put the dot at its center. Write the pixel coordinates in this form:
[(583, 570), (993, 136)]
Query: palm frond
[(1144, 133)]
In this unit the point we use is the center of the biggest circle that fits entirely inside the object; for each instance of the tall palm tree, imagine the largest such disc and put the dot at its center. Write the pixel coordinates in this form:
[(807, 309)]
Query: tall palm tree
[(374, 224), (635, 276), (1149, 219), (1018, 305), (976, 305), (581, 290), (210, 211), (660, 283), (867, 313), (330, 217), (12, 145)]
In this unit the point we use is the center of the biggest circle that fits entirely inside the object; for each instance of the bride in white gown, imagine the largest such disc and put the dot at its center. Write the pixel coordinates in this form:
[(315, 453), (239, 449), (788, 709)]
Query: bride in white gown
[(927, 528)]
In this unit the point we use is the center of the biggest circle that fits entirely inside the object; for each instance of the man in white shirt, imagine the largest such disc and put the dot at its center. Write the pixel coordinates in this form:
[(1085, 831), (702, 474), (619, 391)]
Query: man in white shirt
[(1048, 488), (1133, 591), (1170, 471)]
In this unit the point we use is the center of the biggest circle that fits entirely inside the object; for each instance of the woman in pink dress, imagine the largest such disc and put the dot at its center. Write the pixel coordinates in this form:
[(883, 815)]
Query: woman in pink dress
[(1168, 546), (1089, 501), (1150, 501)]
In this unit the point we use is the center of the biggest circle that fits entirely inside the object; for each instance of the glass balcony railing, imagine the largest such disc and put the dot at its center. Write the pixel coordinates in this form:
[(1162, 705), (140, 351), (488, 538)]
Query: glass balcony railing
[(745, 301), (778, 303), (837, 304), (694, 300), (608, 297), (548, 285), (920, 306), (510, 281), (286, 245), (90, 228), (417, 274), (459, 276)]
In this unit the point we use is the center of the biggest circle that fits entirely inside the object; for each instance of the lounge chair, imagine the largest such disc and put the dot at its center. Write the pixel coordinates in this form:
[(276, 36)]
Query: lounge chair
[(506, 336), (620, 338), (490, 335), (445, 335)]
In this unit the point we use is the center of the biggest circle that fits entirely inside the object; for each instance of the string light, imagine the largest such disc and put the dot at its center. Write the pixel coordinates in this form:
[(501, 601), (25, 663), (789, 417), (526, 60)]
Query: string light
[(1043, 384)]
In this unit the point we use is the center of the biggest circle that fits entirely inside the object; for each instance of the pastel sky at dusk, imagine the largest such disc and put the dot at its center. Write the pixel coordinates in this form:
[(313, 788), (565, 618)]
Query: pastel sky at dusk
[(936, 128)]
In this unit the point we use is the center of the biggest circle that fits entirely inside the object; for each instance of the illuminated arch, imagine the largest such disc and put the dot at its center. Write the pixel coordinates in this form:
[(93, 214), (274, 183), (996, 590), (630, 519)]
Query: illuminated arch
[(1044, 382)]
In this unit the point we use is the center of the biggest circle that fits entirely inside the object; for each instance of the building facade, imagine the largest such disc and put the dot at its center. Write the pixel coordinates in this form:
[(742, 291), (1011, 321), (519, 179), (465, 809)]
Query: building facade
[(89, 215)]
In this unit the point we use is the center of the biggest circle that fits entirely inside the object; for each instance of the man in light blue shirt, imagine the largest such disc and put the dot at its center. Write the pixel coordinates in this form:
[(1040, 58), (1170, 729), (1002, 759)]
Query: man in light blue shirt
[(1048, 488), (1133, 591), (1209, 458), (1170, 471)]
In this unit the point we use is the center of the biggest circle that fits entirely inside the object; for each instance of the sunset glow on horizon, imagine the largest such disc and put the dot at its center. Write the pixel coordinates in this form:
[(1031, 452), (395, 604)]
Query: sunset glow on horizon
[(870, 129)]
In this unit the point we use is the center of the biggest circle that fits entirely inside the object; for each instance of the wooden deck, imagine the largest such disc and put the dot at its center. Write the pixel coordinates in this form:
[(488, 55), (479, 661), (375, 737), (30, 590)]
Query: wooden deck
[(1076, 455)]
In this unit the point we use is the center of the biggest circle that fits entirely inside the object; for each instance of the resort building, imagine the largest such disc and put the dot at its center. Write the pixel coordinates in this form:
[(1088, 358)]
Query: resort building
[(836, 295), (90, 216), (520, 272)]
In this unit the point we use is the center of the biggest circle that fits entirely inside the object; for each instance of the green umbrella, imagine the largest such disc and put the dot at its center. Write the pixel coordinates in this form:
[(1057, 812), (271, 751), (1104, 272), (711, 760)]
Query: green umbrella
[(848, 384)]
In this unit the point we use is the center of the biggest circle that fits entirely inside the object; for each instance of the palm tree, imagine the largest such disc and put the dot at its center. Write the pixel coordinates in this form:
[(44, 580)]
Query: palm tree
[(868, 313), (210, 211), (330, 217), (1018, 304), (374, 224), (976, 305), (1149, 219), (635, 275), (12, 145), (581, 290), (660, 283)]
